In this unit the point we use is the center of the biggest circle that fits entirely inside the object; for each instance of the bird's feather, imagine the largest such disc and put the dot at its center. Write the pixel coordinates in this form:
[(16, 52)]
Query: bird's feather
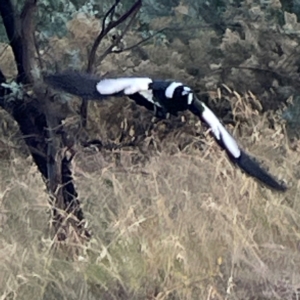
[(127, 85), (75, 83), (252, 168), (220, 132), (166, 96), (236, 155)]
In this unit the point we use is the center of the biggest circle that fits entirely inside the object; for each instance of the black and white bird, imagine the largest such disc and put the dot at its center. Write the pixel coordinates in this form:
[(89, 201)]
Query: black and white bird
[(162, 97)]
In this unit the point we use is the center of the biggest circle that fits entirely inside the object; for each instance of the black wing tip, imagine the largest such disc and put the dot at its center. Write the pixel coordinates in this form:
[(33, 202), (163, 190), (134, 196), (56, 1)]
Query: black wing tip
[(56, 79), (75, 82), (252, 168)]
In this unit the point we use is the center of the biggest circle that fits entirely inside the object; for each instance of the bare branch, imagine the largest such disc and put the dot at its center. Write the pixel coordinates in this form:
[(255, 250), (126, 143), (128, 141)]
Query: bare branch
[(156, 33), (119, 38), (139, 42), (105, 30), (2, 77)]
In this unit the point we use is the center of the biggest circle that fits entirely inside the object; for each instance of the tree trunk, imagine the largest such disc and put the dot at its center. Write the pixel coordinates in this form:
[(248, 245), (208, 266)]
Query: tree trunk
[(39, 122)]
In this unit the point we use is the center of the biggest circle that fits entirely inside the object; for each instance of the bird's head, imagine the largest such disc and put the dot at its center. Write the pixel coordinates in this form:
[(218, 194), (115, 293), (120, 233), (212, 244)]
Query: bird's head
[(185, 93), (180, 92)]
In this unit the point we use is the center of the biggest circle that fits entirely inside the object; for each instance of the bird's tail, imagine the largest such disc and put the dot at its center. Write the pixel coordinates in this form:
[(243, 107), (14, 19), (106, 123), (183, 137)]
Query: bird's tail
[(252, 168), (75, 83)]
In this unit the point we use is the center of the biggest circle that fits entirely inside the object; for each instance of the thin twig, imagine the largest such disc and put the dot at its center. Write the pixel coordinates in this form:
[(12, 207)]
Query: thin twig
[(139, 42), (105, 30), (156, 33), (110, 50)]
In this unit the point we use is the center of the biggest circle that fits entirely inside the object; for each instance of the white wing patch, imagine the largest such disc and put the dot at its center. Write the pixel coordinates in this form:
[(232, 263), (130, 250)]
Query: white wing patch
[(171, 88), (220, 132), (149, 96), (129, 86), (186, 90)]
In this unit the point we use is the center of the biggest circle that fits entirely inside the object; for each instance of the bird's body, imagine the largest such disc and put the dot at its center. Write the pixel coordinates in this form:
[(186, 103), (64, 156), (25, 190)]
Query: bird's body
[(162, 97)]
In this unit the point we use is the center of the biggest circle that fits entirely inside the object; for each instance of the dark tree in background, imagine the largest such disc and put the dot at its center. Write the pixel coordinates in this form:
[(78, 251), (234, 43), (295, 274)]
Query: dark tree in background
[(38, 110), (40, 114), (35, 114)]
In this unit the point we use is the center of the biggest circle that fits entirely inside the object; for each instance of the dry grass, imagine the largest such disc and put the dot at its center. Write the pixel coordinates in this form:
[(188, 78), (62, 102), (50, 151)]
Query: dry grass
[(179, 225), (167, 224)]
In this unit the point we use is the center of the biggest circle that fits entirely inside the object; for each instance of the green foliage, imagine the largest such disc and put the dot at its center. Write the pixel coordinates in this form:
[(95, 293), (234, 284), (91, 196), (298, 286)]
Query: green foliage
[(53, 16)]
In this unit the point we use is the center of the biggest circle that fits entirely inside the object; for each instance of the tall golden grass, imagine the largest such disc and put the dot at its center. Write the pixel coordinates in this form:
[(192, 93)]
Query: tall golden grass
[(179, 224)]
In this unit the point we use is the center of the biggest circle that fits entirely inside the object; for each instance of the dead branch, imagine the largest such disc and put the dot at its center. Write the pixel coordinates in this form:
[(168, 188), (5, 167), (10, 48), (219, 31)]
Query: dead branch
[(104, 31), (110, 50), (139, 42)]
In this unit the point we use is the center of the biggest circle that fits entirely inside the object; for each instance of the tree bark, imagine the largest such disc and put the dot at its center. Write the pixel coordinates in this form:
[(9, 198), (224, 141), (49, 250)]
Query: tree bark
[(38, 120)]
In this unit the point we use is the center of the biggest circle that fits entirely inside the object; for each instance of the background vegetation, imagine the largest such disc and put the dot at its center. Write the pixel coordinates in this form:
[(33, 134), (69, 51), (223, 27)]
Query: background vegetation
[(170, 217)]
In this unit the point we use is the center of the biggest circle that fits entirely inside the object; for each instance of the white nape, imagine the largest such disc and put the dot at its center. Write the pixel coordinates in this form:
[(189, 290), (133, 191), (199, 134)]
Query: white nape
[(171, 89)]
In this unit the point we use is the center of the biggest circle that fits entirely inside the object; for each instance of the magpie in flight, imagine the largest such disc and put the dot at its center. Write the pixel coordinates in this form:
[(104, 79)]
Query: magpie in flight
[(162, 97)]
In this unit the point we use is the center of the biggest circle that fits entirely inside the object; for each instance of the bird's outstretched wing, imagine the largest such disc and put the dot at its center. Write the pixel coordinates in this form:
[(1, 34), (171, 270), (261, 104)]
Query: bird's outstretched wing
[(93, 87), (75, 83), (168, 96), (228, 143)]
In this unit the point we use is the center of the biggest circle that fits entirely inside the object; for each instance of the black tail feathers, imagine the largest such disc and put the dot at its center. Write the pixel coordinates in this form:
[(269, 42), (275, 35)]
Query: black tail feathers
[(252, 168), (75, 83)]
